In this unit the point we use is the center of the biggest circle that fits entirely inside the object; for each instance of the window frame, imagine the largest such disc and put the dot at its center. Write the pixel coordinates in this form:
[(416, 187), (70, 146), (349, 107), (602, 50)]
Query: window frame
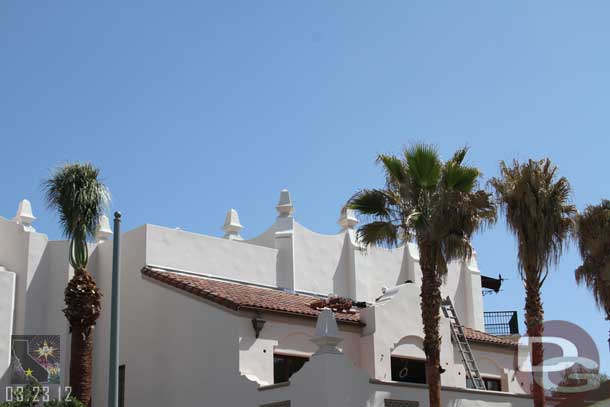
[(121, 389), (286, 370), (412, 359), (492, 379), (485, 380)]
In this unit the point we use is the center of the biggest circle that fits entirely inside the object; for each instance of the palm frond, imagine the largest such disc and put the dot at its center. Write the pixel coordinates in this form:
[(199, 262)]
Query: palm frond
[(538, 211), (385, 234), (373, 202), (423, 165), (458, 156), (80, 198), (592, 233), (459, 178), (394, 168)]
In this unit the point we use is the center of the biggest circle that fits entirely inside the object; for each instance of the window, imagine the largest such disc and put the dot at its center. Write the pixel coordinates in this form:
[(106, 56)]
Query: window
[(492, 384), (122, 386), (400, 403), (408, 370), (285, 366)]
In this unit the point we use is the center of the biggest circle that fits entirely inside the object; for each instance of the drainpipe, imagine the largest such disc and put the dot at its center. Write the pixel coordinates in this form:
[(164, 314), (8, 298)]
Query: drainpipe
[(113, 374)]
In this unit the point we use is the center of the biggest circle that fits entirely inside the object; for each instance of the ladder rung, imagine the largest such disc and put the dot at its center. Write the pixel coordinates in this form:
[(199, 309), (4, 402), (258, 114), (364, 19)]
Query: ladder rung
[(470, 364)]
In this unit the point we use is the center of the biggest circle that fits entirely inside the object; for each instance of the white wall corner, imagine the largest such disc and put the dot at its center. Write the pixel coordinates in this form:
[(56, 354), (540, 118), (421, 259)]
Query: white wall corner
[(285, 268), (284, 242), (7, 313), (474, 317)]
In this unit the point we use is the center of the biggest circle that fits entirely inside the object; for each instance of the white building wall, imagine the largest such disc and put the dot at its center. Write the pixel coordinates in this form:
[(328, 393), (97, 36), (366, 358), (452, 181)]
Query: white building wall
[(287, 336), (171, 343), (208, 255), (178, 349), (41, 273), (318, 260), (13, 256), (7, 309), (100, 267)]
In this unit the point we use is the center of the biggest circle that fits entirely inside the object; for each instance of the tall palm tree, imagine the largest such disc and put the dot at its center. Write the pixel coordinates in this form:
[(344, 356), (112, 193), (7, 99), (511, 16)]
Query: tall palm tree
[(80, 198), (592, 233), (538, 212), (438, 205)]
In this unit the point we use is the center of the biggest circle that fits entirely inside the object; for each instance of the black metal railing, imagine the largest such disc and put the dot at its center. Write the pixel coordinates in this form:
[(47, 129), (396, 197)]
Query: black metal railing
[(501, 323)]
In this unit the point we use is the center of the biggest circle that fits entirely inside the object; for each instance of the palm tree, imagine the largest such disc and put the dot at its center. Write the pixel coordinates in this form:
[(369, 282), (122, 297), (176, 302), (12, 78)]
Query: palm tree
[(438, 206), (592, 233), (80, 198), (538, 212)]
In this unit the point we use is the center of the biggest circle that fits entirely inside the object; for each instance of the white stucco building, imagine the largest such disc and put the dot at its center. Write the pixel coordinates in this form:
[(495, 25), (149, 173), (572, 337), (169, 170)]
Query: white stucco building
[(210, 321)]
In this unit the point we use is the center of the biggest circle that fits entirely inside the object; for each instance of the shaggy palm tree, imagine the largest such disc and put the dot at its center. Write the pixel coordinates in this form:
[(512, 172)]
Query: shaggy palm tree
[(436, 204), (80, 198), (593, 236), (538, 211)]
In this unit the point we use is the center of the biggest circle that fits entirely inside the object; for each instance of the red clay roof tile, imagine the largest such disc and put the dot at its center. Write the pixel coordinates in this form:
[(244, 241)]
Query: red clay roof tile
[(481, 337), (243, 296)]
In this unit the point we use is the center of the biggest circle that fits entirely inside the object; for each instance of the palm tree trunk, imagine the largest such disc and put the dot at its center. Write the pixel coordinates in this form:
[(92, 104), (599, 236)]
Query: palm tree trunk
[(534, 319), (430, 309), (81, 363), (82, 299)]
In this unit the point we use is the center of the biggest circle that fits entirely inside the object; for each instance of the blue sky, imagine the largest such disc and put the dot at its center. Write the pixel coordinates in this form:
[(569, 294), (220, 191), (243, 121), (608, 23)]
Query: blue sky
[(191, 108)]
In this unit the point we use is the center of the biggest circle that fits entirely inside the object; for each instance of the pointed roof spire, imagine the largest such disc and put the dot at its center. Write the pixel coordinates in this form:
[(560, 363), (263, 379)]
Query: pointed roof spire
[(25, 216), (347, 219), (232, 227), (103, 231), (284, 206), (327, 333)]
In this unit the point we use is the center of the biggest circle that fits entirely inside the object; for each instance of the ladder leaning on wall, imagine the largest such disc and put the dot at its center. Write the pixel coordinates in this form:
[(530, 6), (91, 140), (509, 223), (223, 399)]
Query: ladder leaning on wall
[(457, 333)]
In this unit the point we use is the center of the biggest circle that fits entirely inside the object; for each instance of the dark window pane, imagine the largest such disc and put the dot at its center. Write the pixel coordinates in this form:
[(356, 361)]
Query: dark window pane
[(122, 386), (490, 384), (493, 384), (285, 366), (408, 370)]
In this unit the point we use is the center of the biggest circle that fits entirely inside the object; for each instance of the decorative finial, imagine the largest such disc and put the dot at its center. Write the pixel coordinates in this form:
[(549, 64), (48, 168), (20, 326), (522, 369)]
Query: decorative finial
[(103, 231), (24, 216), (347, 219), (232, 227), (327, 334), (284, 206)]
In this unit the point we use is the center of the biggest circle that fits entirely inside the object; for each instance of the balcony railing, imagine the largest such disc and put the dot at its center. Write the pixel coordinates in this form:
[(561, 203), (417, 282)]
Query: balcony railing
[(501, 323)]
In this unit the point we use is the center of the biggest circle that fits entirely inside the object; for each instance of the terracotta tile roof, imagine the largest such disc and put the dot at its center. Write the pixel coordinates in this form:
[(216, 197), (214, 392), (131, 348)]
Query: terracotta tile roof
[(243, 296), (481, 337)]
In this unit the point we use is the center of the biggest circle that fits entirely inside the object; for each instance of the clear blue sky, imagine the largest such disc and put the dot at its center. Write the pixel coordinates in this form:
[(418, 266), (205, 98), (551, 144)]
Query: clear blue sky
[(191, 108)]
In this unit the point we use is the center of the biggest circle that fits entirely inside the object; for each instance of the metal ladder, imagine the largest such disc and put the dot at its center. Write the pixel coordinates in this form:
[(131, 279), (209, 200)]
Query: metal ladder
[(457, 333)]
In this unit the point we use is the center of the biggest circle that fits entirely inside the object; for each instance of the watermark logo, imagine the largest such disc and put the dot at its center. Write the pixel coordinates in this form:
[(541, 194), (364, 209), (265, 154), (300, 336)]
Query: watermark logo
[(35, 358), (570, 365)]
